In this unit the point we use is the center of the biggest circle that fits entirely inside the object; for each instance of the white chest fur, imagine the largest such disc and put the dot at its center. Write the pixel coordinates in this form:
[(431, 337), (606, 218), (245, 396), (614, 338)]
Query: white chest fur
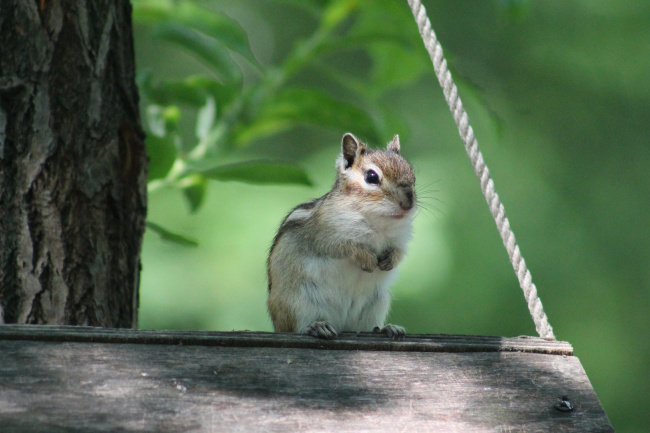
[(338, 291)]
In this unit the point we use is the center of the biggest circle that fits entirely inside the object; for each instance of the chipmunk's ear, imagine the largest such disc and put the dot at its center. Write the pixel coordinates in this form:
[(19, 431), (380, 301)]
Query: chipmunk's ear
[(393, 146), (351, 148)]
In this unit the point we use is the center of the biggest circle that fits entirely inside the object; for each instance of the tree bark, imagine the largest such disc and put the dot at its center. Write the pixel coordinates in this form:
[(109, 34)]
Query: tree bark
[(72, 164)]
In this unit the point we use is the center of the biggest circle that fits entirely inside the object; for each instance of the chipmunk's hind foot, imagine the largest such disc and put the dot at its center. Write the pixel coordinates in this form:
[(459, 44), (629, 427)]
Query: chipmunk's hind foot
[(322, 330), (394, 332)]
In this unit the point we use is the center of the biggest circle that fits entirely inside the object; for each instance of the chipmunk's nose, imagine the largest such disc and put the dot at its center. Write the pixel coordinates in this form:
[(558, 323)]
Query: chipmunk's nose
[(407, 199)]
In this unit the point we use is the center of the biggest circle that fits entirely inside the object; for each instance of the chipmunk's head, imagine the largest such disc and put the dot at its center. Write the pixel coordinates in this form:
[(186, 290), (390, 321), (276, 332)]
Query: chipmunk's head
[(376, 182)]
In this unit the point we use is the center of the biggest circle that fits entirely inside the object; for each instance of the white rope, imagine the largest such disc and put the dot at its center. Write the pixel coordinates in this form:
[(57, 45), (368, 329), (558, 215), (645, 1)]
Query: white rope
[(487, 185)]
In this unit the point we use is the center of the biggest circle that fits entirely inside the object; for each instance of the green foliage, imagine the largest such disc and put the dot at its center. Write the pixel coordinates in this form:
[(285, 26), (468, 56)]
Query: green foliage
[(297, 106), (242, 101), (259, 172), (171, 236), (183, 16)]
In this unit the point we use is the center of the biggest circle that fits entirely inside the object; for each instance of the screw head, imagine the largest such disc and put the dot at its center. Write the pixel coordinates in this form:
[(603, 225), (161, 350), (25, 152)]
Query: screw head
[(564, 405)]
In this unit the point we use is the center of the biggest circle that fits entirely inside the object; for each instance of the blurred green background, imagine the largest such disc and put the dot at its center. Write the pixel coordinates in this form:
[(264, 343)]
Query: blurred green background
[(558, 93)]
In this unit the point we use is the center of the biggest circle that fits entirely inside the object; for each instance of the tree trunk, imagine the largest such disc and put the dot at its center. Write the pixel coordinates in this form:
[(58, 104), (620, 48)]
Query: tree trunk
[(72, 164)]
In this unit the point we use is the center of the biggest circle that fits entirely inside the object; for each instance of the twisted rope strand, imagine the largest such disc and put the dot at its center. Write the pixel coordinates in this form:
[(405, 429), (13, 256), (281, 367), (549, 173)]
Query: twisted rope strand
[(487, 185)]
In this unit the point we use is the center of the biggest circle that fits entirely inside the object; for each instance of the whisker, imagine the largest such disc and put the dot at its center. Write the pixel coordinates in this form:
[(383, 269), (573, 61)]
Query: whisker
[(430, 208), (426, 197)]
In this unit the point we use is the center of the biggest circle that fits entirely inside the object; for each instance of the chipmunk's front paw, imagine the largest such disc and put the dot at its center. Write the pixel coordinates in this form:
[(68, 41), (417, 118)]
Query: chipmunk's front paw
[(366, 261), (389, 259), (394, 332), (321, 329), (385, 260)]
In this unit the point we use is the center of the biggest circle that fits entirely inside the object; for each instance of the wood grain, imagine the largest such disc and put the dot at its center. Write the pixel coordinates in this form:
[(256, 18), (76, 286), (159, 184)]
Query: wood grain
[(58, 380), (347, 341)]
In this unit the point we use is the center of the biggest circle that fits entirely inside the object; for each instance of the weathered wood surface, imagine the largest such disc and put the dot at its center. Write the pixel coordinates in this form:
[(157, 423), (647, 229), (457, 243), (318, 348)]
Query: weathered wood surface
[(69, 380), (348, 341)]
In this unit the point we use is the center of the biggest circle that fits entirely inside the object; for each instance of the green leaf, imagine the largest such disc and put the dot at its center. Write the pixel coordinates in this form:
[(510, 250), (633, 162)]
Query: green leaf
[(336, 12), (223, 94), (194, 189), (218, 26), (162, 154), (193, 91), (259, 172), (298, 106), (171, 236), (205, 118), (152, 11), (209, 50), (162, 120), (395, 47), (212, 23)]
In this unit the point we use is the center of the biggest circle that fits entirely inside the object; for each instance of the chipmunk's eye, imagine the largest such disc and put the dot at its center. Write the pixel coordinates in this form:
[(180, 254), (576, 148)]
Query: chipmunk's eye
[(372, 177)]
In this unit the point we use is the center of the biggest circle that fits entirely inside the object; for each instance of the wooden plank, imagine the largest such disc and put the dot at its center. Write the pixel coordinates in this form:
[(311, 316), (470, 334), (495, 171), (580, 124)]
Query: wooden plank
[(347, 341), (68, 384)]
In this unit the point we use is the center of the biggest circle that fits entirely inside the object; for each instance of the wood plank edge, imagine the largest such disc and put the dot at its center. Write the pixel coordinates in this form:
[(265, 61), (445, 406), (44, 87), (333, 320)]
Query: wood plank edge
[(347, 341)]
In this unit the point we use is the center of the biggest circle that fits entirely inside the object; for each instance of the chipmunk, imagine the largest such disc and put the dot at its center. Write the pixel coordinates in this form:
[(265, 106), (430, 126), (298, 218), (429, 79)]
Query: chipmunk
[(333, 258)]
